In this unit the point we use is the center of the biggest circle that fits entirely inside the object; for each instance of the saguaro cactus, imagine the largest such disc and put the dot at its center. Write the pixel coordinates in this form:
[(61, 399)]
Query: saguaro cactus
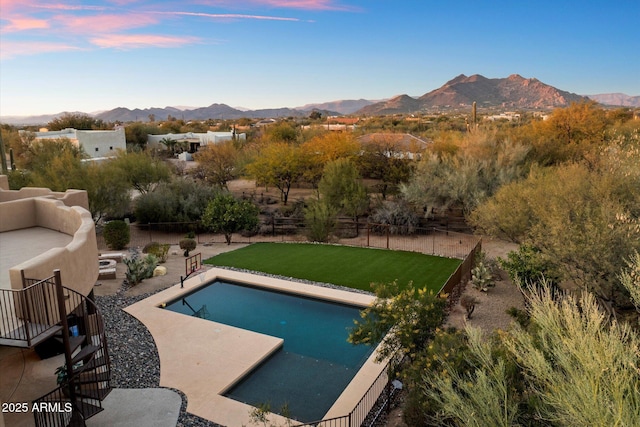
[(474, 113)]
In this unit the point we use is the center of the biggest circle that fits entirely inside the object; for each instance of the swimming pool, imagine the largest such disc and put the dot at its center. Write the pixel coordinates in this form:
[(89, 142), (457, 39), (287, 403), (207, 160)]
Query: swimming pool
[(315, 363)]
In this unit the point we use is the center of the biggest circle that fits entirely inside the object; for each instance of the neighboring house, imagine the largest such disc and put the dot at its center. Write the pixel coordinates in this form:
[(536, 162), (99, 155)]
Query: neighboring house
[(509, 115), (193, 140), (336, 124), (399, 145), (265, 122), (96, 143)]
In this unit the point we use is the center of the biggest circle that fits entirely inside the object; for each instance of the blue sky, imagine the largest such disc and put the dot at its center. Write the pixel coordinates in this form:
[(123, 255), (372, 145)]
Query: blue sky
[(102, 54)]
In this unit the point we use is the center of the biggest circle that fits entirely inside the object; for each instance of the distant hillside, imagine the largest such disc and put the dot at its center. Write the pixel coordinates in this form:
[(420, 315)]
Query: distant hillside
[(616, 99), (213, 111), (347, 106), (512, 92)]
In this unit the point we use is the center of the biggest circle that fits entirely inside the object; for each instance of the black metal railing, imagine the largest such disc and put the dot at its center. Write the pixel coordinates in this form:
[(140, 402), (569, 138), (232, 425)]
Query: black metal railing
[(87, 364), (375, 402), (27, 314)]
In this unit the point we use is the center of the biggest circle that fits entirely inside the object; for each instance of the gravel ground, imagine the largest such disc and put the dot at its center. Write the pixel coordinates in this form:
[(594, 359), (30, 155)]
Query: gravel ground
[(134, 357)]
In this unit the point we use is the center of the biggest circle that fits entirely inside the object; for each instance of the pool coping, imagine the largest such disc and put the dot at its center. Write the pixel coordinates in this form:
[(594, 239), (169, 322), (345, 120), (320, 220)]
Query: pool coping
[(224, 354)]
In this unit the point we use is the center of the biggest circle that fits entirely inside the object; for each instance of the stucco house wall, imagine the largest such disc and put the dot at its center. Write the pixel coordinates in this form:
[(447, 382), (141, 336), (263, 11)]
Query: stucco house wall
[(96, 143), (38, 207)]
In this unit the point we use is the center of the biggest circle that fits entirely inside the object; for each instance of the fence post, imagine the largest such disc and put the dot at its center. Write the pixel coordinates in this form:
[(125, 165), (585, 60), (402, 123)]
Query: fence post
[(433, 242), (387, 236), (368, 232)]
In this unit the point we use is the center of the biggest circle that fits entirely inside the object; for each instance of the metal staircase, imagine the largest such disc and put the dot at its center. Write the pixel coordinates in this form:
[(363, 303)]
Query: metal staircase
[(43, 310)]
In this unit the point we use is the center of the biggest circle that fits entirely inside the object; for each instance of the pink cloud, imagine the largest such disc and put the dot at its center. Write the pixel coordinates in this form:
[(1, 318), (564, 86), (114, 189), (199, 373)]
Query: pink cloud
[(105, 23), (304, 4), (21, 24), (14, 49), (230, 16), (135, 41)]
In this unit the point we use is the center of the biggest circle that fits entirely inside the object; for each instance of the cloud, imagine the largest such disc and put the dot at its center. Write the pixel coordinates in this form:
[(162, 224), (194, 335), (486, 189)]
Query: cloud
[(304, 4), (12, 49), (105, 23), (230, 16), (136, 41), (22, 24)]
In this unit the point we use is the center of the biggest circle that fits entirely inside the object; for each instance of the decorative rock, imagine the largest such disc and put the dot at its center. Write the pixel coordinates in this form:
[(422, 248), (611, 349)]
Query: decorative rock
[(159, 271)]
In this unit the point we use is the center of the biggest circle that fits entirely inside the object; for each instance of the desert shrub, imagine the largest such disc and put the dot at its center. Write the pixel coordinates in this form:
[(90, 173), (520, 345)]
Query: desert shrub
[(528, 266), (187, 245), (139, 268), (159, 250), (116, 234), (469, 304), (227, 215), (320, 219), (398, 215), (447, 349), (520, 316), (181, 200), (482, 274)]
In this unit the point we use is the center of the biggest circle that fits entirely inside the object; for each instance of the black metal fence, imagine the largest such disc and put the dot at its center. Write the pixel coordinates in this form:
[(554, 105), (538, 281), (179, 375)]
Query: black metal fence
[(427, 240), (373, 404)]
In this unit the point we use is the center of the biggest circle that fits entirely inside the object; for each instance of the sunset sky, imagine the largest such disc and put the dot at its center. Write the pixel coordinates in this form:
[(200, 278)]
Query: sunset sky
[(102, 54)]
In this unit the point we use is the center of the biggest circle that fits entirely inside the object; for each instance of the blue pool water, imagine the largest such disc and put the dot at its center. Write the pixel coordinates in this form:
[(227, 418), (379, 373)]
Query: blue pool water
[(315, 363)]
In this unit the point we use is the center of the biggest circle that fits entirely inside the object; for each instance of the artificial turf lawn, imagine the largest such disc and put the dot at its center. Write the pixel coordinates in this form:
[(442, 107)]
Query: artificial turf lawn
[(341, 265)]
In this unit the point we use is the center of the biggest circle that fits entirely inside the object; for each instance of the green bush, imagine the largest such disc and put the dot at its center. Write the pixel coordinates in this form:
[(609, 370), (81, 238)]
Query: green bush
[(187, 245), (159, 250), (181, 200), (139, 268), (320, 219), (116, 234)]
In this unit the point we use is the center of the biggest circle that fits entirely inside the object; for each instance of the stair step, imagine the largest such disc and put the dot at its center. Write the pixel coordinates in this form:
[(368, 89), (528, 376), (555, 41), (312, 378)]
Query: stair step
[(77, 420), (92, 377), (14, 339), (87, 410), (84, 353), (74, 342), (94, 393), (94, 363)]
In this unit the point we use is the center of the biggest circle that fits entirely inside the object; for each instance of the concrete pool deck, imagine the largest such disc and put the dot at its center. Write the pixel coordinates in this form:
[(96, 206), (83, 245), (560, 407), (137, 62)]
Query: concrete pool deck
[(203, 359)]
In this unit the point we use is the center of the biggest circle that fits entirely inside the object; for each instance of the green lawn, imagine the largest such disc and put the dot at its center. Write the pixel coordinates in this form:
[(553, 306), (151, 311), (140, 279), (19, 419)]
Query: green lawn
[(340, 265)]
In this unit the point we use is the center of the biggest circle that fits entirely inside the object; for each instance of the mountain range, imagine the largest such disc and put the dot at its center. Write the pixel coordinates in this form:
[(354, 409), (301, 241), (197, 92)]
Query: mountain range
[(513, 92)]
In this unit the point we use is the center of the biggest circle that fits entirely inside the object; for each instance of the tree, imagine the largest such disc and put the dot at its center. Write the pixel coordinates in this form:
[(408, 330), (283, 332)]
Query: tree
[(383, 162), (169, 143), (55, 164), (320, 219), (137, 133), (37, 155), (467, 178), (282, 132), (325, 148), (279, 164), (217, 163), (227, 215), (141, 171), (179, 201), (75, 121), (342, 189), (583, 228), (568, 134), (108, 194), (402, 320)]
